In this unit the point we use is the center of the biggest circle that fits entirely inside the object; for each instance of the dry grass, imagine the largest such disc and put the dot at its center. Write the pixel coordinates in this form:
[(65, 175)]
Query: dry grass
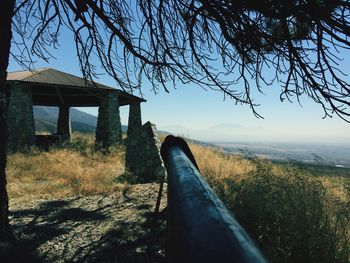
[(73, 169), (219, 166), (293, 215)]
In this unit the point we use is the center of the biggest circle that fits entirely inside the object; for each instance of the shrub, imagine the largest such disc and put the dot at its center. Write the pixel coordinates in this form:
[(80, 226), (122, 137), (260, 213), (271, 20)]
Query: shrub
[(292, 215)]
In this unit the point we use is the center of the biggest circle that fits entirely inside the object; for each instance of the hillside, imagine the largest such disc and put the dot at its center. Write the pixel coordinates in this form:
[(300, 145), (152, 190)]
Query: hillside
[(75, 204), (97, 228), (46, 119)]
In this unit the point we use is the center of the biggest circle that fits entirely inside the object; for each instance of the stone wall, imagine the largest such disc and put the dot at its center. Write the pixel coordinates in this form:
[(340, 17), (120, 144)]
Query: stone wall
[(20, 117), (143, 154), (109, 128)]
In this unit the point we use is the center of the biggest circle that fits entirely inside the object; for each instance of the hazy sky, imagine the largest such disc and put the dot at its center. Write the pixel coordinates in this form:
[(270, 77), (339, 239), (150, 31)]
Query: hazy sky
[(203, 115)]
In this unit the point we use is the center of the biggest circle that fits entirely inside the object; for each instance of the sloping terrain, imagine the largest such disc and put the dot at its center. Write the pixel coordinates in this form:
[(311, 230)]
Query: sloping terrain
[(46, 120), (102, 228)]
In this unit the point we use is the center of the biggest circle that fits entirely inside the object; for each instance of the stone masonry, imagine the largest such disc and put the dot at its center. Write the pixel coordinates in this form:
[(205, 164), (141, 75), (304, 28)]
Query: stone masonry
[(20, 117), (64, 127), (135, 121), (143, 154), (109, 129)]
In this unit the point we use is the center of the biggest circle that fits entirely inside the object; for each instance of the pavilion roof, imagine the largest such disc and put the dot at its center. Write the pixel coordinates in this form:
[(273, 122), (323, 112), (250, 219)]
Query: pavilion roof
[(51, 87)]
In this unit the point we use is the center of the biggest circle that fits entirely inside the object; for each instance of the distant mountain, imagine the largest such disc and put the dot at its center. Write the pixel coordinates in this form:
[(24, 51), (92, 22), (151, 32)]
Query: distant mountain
[(44, 126), (46, 120)]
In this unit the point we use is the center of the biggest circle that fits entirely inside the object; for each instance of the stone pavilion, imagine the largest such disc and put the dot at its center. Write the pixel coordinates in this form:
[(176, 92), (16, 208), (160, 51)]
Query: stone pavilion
[(51, 87)]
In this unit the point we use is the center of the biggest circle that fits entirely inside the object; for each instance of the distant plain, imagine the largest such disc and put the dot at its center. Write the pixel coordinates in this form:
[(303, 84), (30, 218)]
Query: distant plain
[(337, 155)]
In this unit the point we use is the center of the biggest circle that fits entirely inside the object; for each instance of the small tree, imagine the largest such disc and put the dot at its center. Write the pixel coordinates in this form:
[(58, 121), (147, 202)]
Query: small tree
[(221, 45)]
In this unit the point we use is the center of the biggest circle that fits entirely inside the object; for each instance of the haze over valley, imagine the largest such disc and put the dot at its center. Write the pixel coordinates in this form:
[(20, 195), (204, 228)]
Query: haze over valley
[(325, 154), (232, 138)]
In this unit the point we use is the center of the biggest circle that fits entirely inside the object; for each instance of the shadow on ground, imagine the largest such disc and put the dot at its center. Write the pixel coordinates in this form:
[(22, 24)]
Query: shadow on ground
[(88, 230)]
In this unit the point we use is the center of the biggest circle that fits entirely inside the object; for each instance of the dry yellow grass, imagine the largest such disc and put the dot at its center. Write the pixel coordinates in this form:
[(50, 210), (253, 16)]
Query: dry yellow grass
[(293, 215), (217, 167), (75, 169), (215, 164)]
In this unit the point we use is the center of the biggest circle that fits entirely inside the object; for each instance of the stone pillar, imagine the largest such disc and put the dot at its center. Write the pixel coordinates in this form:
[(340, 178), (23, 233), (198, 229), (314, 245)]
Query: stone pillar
[(64, 127), (142, 157), (134, 118), (20, 117), (109, 128)]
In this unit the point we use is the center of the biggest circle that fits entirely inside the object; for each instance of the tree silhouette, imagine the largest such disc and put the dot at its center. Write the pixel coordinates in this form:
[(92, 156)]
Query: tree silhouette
[(6, 12), (226, 45)]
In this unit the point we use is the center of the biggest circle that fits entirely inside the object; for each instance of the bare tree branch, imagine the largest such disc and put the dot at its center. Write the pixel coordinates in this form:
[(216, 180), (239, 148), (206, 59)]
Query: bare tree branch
[(230, 46)]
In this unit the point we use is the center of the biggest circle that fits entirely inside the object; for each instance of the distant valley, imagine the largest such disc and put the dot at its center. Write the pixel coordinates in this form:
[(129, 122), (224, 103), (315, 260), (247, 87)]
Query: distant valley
[(46, 120), (312, 153), (328, 154)]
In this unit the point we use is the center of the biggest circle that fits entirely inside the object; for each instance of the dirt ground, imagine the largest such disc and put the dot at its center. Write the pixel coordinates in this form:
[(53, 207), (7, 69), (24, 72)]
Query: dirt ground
[(102, 228)]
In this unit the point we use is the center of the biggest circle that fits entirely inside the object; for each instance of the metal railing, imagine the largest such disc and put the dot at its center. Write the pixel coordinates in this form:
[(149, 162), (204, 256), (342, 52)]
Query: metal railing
[(200, 228)]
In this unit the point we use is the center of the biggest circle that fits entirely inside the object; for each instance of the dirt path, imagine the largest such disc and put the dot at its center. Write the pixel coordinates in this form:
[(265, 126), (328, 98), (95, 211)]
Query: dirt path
[(117, 228)]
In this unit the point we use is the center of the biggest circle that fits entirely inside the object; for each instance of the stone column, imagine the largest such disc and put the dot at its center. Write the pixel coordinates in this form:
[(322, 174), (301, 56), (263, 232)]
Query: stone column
[(142, 157), (20, 117), (64, 127), (109, 128), (134, 118)]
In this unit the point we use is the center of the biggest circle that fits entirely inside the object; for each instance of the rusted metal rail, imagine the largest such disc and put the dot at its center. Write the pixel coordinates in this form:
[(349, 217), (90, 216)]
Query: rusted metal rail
[(200, 228)]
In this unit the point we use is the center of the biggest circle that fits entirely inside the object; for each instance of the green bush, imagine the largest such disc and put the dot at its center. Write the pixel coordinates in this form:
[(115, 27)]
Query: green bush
[(289, 214)]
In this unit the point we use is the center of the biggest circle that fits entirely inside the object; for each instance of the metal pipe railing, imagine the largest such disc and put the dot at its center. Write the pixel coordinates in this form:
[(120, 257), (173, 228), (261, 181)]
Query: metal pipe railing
[(200, 228)]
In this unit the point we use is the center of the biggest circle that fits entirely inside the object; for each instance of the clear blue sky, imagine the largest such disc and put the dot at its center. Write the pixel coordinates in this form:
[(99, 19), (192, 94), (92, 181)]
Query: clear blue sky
[(199, 114)]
